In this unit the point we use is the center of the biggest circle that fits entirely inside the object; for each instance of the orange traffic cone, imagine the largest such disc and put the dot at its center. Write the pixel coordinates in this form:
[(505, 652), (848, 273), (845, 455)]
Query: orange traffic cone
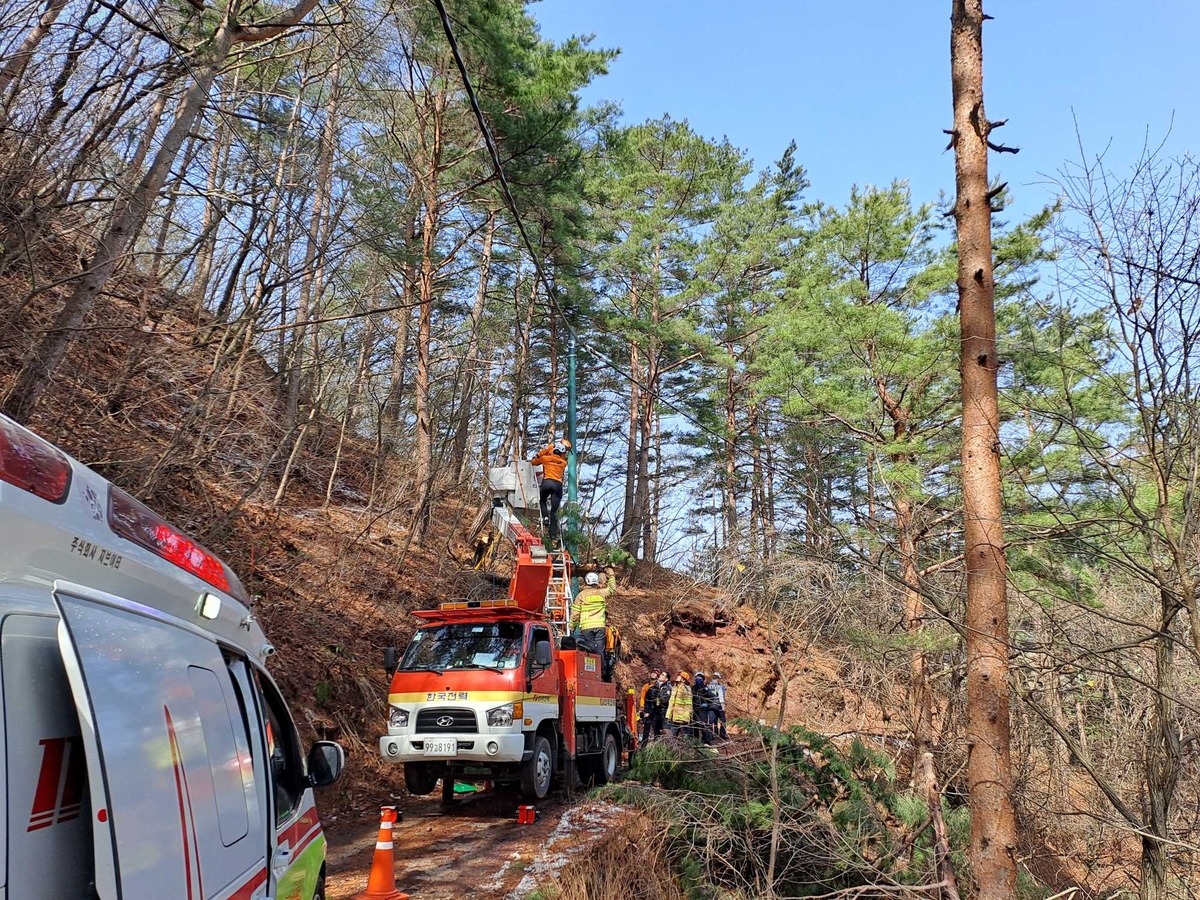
[(381, 885)]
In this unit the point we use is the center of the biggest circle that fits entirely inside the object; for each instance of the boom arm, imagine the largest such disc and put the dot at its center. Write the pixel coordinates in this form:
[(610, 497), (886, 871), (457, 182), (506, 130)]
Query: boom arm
[(540, 583)]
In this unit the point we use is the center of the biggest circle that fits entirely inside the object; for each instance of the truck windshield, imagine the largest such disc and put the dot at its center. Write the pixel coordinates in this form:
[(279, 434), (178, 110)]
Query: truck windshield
[(490, 645)]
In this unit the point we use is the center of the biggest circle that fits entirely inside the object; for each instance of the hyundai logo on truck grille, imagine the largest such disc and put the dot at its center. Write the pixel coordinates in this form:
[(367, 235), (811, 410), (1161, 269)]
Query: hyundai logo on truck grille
[(447, 720)]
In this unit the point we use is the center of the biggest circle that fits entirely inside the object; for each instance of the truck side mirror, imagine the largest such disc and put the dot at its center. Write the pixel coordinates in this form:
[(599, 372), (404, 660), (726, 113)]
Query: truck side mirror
[(391, 659), (326, 760), (543, 654)]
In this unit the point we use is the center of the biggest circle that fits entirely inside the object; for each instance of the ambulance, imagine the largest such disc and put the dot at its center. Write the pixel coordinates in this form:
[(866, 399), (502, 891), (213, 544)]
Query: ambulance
[(148, 754)]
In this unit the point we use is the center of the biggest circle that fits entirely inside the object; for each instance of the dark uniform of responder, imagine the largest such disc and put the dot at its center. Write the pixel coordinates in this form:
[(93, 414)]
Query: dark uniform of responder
[(656, 695), (589, 614)]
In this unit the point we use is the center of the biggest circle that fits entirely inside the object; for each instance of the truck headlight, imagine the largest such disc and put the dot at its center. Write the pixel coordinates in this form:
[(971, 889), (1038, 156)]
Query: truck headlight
[(502, 716), (397, 717)]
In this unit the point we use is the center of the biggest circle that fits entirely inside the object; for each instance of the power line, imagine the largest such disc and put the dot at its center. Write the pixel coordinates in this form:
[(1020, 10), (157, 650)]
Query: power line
[(551, 294)]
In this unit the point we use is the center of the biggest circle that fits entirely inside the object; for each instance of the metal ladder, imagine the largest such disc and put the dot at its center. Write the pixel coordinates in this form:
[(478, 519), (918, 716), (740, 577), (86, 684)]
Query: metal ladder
[(558, 591)]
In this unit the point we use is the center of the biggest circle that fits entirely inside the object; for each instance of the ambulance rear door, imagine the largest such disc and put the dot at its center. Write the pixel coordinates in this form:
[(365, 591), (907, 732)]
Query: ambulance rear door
[(177, 796), (48, 821)]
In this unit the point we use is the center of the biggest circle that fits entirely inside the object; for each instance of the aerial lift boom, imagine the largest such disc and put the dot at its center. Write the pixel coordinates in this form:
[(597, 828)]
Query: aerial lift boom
[(541, 579)]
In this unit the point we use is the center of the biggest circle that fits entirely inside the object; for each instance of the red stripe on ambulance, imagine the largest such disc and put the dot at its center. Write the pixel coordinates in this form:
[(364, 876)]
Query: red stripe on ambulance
[(59, 791), (183, 825)]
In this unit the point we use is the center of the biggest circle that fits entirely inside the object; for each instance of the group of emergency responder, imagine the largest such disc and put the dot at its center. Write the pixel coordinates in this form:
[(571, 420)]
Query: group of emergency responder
[(692, 706)]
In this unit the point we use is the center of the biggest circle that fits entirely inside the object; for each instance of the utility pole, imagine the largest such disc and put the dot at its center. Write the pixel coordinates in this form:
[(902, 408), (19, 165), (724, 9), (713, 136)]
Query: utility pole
[(572, 427), (573, 519)]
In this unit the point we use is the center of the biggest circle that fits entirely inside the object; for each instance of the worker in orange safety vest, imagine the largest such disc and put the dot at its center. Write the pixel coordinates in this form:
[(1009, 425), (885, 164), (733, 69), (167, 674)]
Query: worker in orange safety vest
[(553, 460)]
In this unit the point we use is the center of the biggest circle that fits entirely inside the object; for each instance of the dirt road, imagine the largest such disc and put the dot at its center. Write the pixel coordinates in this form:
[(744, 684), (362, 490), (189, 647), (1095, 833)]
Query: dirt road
[(475, 848)]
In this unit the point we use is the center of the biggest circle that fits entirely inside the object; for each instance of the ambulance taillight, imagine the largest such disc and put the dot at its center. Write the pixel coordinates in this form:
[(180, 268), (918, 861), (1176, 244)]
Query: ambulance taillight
[(32, 464), (138, 523)]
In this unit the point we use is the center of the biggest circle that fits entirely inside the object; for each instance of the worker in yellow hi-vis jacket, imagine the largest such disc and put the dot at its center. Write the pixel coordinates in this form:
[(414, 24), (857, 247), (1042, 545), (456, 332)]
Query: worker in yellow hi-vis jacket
[(589, 615)]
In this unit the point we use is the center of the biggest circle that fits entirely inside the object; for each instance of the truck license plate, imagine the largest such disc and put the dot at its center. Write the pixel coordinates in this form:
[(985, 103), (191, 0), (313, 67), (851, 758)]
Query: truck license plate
[(441, 747)]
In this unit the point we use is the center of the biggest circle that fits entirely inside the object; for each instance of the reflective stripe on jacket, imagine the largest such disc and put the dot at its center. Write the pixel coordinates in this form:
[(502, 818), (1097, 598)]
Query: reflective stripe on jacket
[(590, 606), (680, 707), (552, 464)]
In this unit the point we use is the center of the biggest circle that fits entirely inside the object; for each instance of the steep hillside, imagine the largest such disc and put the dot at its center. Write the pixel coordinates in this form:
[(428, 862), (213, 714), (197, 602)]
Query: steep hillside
[(333, 583)]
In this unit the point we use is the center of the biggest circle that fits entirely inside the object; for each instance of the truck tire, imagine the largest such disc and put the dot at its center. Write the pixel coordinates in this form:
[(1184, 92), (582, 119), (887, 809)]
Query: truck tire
[(419, 780), (605, 765), (536, 773), (586, 767), (447, 789)]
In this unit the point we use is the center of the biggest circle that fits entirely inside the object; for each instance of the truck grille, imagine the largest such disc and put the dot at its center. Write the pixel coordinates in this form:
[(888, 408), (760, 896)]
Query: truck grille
[(434, 721)]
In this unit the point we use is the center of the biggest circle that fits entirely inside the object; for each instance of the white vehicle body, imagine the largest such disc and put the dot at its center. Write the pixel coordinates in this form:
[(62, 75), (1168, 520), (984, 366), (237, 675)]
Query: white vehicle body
[(147, 751)]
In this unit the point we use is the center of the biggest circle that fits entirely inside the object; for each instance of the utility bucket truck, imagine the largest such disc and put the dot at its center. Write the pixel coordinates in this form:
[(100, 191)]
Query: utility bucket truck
[(495, 690)]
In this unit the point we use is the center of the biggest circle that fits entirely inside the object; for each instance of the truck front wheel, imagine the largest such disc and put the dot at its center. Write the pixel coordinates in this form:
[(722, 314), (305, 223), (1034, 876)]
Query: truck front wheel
[(419, 779), (535, 772), (606, 763)]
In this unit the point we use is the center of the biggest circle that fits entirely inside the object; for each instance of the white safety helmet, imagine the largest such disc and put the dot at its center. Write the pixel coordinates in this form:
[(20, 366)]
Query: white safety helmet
[(591, 579)]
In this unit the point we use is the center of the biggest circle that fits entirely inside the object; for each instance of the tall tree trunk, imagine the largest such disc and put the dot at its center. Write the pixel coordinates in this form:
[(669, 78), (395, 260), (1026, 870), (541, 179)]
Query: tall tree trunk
[(641, 500), (993, 845), (310, 278), (433, 115), (512, 447), (423, 476), (14, 67), (920, 701), (629, 535), (729, 488), (1164, 755), (462, 435), (651, 531), (393, 404), (130, 215), (209, 224)]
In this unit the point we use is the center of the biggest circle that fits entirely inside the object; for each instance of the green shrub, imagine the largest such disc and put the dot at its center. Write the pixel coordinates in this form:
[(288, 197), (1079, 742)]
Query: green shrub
[(844, 821)]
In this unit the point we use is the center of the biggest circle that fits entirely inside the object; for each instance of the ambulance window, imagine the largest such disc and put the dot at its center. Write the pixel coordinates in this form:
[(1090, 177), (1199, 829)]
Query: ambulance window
[(245, 725), (224, 760), (283, 750)]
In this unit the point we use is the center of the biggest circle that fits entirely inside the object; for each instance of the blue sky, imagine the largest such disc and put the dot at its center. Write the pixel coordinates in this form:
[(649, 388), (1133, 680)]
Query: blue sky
[(864, 87)]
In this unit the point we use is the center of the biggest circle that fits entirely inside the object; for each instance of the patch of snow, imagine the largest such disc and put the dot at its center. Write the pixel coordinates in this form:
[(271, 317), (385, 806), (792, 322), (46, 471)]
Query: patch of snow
[(579, 828), (496, 882)]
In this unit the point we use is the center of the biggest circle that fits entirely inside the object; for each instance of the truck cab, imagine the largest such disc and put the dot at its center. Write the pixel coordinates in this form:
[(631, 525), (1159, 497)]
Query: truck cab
[(147, 751)]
